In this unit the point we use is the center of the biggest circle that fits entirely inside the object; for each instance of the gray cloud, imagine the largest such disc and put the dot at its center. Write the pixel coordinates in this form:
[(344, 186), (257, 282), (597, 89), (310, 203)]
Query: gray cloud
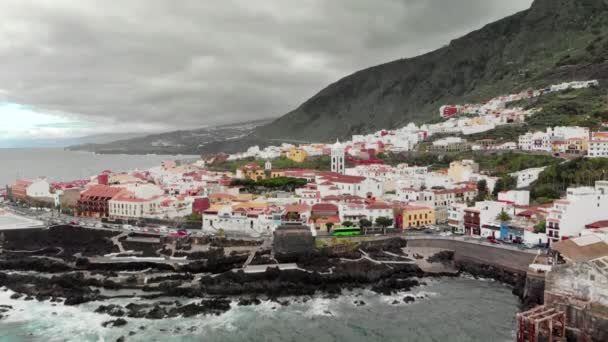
[(178, 64)]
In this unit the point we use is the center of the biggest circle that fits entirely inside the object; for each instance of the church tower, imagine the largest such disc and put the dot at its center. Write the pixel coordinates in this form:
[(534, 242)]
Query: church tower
[(268, 166), (337, 158)]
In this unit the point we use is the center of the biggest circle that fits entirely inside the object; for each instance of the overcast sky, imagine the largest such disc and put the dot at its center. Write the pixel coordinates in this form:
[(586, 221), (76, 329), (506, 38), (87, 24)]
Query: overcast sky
[(75, 67)]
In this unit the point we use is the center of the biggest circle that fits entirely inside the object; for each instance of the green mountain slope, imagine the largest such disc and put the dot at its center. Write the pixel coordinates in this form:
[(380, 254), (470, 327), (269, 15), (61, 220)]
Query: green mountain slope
[(553, 41)]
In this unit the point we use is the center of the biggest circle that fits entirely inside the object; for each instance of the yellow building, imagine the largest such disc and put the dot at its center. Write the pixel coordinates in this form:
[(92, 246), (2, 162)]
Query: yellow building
[(461, 170), (251, 171), (277, 173), (577, 146), (298, 155), (416, 216)]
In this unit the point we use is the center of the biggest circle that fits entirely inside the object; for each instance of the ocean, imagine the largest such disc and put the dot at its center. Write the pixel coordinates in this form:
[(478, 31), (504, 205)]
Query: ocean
[(60, 165), (446, 309)]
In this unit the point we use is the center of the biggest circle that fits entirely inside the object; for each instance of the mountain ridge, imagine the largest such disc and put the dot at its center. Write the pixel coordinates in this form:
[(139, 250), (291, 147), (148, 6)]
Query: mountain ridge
[(515, 52)]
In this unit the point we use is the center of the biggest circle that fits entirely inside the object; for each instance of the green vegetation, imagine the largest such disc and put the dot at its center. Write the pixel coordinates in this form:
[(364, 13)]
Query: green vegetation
[(581, 107), (554, 180), (482, 190), (347, 224), (384, 221), (278, 183), (551, 42), (502, 163), (365, 223), (194, 217), (504, 183), (503, 216), (540, 227)]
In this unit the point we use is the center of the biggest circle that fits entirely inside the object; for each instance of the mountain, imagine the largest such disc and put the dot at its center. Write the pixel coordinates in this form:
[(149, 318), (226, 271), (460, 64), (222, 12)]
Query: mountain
[(552, 41), (214, 139), (63, 142)]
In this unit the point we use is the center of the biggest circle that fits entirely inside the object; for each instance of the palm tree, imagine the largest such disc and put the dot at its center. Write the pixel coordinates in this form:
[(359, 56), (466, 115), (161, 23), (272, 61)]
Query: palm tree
[(503, 216)]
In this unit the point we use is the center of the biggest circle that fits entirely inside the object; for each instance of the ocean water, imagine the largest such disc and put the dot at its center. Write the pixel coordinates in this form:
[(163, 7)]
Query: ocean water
[(60, 165), (446, 309)]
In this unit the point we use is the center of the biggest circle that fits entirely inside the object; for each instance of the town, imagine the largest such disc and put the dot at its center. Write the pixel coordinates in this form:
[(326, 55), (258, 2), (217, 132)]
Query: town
[(331, 195)]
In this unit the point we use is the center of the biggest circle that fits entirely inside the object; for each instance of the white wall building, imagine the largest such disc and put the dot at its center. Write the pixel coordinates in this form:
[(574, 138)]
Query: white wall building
[(337, 158), (527, 176), (582, 206), (516, 197)]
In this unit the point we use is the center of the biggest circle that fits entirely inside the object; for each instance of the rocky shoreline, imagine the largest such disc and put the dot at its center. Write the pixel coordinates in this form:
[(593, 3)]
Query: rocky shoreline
[(215, 280)]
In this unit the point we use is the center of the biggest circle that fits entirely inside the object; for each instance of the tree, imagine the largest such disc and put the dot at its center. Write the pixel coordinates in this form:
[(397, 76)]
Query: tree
[(384, 222), (540, 227), (347, 224), (503, 216), (329, 226), (194, 217), (482, 190), (221, 233), (365, 223), (504, 183), (292, 216)]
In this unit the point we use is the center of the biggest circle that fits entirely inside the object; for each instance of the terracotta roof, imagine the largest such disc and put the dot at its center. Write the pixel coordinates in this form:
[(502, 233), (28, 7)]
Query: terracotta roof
[(598, 224), (378, 205), (571, 250), (298, 208), (103, 191), (324, 207)]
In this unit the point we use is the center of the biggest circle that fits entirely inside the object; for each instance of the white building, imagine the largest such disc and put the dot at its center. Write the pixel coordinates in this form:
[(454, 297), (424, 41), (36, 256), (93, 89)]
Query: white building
[(598, 145), (581, 206), (456, 217), (516, 197), (537, 141), (527, 176), (337, 158), (127, 206), (39, 188)]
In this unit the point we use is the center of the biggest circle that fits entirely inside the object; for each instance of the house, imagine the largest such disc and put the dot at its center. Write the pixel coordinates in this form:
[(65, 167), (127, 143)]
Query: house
[(94, 202), (462, 170), (251, 171), (516, 197), (127, 205), (598, 145), (412, 216), (456, 217), (298, 155), (26, 190), (322, 214), (449, 144), (527, 176), (582, 205)]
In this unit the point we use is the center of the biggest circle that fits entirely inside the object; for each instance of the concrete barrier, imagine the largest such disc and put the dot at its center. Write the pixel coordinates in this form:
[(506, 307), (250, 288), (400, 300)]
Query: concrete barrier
[(509, 258)]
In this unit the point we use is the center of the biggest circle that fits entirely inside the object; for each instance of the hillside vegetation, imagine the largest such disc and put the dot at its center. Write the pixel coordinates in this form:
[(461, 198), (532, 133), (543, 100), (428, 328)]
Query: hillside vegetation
[(553, 181), (553, 41)]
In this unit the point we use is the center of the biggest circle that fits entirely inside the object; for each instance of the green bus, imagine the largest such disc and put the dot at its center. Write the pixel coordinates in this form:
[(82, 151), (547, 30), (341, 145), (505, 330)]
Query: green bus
[(351, 231)]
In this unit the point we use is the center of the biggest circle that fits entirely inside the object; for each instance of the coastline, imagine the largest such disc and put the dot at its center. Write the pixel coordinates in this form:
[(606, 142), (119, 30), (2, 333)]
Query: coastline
[(213, 280)]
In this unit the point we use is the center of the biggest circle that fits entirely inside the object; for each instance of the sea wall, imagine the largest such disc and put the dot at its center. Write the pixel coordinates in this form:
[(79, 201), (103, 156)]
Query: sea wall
[(506, 265), (512, 260)]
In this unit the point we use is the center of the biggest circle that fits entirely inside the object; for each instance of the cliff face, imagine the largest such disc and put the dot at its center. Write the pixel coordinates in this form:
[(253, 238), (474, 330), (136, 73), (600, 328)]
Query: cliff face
[(554, 40)]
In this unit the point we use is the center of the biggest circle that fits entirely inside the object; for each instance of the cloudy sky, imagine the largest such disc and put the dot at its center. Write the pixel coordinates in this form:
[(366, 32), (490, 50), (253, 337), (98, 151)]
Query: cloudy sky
[(77, 67)]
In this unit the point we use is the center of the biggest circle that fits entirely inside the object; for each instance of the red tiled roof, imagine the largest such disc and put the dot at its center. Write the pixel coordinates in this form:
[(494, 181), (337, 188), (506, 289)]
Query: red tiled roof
[(597, 224), (103, 191), (324, 207), (297, 208), (378, 205)]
